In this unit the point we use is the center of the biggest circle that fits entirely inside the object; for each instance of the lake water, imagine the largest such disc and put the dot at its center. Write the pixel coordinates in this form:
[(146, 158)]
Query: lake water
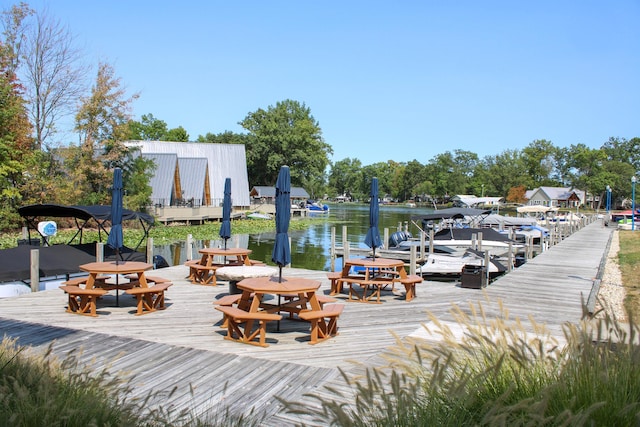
[(310, 248)]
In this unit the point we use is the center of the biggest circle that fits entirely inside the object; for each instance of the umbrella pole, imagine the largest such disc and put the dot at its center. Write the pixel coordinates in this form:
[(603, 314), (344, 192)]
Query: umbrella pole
[(279, 302), (117, 281)]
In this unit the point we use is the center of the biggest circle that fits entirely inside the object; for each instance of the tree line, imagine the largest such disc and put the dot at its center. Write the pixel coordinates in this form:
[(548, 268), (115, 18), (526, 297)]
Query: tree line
[(507, 174), (44, 81)]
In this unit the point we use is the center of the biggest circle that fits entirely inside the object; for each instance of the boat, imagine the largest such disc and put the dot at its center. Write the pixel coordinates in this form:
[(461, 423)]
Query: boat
[(458, 240), (453, 265), (626, 220), (258, 215), (457, 229), (516, 228), (314, 207)]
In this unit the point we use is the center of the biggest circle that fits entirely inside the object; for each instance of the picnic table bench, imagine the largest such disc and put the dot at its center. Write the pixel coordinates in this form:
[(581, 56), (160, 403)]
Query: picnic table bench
[(320, 330), (81, 300), (235, 316), (149, 299)]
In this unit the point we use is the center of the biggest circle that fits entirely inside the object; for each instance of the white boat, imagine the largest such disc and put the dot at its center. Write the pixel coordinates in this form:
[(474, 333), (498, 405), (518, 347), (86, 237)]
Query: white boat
[(315, 207), (258, 215), (458, 240), (452, 265)]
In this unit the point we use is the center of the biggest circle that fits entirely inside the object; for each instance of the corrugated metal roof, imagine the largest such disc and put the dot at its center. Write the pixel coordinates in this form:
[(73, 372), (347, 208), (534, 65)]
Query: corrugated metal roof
[(192, 177), (162, 181), (224, 161)]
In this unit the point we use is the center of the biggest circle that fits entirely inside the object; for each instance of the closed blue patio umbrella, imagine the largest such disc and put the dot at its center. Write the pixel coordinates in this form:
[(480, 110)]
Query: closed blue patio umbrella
[(373, 234), (225, 227), (115, 239), (281, 250)]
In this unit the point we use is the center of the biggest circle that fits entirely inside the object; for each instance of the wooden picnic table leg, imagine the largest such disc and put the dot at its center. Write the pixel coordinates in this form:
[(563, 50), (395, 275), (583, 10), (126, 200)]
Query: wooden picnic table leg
[(91, 280), (255, 306), (142, 280)]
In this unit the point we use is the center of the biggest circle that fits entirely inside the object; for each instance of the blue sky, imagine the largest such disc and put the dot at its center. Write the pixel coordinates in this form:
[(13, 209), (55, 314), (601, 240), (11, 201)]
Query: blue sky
[(399, 80)]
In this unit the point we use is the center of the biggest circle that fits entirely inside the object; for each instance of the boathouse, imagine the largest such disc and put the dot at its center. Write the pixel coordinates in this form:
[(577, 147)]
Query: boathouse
[(192, 170), (188, 182)]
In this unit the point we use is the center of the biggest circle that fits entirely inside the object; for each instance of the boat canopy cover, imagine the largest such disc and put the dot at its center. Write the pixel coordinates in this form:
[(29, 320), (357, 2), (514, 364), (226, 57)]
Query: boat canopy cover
[(467, 234), (100, 214), (536, 209), (507, 221), (97, 212), (452, 213), (15, 263)]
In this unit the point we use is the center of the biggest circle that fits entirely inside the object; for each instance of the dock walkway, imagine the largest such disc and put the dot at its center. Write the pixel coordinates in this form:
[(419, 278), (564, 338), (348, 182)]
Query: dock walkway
[(183, 346)]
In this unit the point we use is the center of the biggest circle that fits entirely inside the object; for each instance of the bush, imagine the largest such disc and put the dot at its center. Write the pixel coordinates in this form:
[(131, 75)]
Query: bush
[(499, 372)]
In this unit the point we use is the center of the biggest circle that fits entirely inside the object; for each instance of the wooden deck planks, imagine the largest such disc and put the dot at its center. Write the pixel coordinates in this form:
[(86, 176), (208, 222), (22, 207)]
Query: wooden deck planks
[(183, 345)]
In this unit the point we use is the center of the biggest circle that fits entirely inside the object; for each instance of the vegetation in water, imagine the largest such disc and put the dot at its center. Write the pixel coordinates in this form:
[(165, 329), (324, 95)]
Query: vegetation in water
[(166, 234)]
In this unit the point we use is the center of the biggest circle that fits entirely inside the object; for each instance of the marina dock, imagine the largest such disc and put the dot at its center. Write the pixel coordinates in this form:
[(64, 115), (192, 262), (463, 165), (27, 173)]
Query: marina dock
[(183, 346)]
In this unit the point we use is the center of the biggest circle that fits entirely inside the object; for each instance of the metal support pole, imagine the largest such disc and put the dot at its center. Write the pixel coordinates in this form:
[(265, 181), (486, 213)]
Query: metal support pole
[(633, 203)]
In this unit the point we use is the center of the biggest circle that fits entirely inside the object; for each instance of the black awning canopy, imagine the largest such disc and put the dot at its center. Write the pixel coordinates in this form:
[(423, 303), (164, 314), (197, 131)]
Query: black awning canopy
[(100, 214)]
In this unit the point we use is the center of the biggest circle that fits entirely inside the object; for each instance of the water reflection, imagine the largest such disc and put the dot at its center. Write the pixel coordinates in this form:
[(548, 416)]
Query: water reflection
[(310, 248)]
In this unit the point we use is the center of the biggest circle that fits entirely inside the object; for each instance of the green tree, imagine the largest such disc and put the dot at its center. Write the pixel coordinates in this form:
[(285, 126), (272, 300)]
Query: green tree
[(539, 158), (452, 172), (178, 134), (147, 129), (286, 134), (384, 171), (346, 177), (623, 151), (226, 137), (16, 146), (505, 171)]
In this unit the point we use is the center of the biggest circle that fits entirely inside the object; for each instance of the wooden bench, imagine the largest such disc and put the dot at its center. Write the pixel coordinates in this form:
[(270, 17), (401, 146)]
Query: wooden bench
[(336, 283), (82, 301), (133, 280), (374, 285), (235, 317), (192, 271), (294, 305), (154, 279), (227, 301), (257, 263), (149, 299), (409, 283), (77, 281), (205, 274), (321, 330)]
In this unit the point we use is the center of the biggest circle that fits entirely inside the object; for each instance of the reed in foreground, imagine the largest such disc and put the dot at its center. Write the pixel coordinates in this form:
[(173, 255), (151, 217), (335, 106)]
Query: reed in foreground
[(40, 390), (493, 370)]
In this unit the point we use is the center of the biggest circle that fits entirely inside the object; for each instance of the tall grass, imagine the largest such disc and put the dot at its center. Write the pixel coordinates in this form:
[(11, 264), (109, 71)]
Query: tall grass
[(41, 390), (501, 371)]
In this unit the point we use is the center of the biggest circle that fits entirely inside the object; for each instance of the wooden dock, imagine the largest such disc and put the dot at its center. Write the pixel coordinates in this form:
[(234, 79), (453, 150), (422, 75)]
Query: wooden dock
[(183, 346)]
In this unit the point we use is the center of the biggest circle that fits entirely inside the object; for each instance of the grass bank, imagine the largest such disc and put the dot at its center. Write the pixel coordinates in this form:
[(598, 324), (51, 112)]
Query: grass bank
[(629, 260)]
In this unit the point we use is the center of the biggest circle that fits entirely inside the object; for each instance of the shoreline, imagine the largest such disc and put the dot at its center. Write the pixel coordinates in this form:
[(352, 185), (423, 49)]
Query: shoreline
[(611, 294)]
